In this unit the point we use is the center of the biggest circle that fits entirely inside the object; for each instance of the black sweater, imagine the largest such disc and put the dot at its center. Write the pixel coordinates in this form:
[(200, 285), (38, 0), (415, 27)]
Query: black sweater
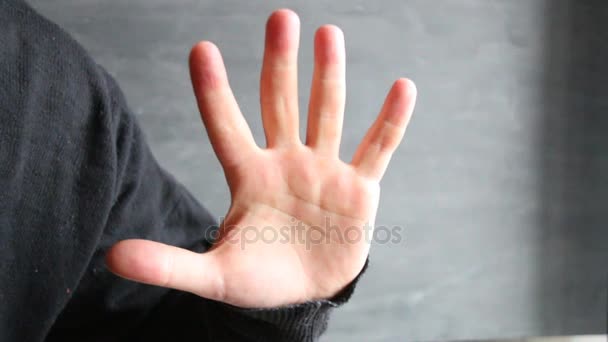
[(76, 176)]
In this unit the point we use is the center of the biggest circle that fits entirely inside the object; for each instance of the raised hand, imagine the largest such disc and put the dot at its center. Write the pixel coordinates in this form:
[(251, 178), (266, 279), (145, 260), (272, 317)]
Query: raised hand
[(295, 230)]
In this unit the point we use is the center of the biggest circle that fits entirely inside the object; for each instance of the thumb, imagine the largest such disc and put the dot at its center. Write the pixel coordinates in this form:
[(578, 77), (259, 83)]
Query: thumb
[(167, 266)]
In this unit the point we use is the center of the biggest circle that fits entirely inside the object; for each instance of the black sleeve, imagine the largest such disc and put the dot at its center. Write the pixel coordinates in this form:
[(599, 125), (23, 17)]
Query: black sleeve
[(78, 177), (150, 204)]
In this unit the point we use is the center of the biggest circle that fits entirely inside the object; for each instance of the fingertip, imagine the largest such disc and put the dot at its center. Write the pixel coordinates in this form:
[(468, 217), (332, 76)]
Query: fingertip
[(400, 102), (206, 65), (114, 255), (329, 44), (283, 15), (201, 50), (283, 30), (136, 260), (406, 86), (110, 258), (329, 30), (403, 92)]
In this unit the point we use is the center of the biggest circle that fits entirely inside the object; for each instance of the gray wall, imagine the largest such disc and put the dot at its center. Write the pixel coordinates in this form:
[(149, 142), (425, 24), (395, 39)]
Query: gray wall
[(500, 186)]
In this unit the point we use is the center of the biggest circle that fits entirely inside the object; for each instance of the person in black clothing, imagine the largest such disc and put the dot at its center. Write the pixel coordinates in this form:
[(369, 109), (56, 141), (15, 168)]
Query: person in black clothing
[(98, 243)]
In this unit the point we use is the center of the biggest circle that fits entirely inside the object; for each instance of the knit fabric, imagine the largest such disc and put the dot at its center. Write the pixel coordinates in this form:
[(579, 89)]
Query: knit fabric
[(76, 176)]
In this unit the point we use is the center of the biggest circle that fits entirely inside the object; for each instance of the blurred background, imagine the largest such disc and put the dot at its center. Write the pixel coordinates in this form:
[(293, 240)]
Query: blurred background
[(500, 187)]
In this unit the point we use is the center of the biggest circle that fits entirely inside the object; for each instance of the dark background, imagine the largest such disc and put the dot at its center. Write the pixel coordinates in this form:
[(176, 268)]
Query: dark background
[(501, 184)]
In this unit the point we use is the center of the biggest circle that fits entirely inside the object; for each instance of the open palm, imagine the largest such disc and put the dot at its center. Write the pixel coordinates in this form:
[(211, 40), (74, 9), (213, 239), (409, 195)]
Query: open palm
[(297, 225)]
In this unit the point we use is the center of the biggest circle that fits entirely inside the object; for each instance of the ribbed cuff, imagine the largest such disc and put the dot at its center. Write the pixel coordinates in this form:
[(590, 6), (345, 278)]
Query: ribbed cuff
[(300, 322)]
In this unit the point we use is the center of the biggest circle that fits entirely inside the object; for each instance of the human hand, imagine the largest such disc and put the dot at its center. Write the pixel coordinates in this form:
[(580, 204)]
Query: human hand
[(287, 187)]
